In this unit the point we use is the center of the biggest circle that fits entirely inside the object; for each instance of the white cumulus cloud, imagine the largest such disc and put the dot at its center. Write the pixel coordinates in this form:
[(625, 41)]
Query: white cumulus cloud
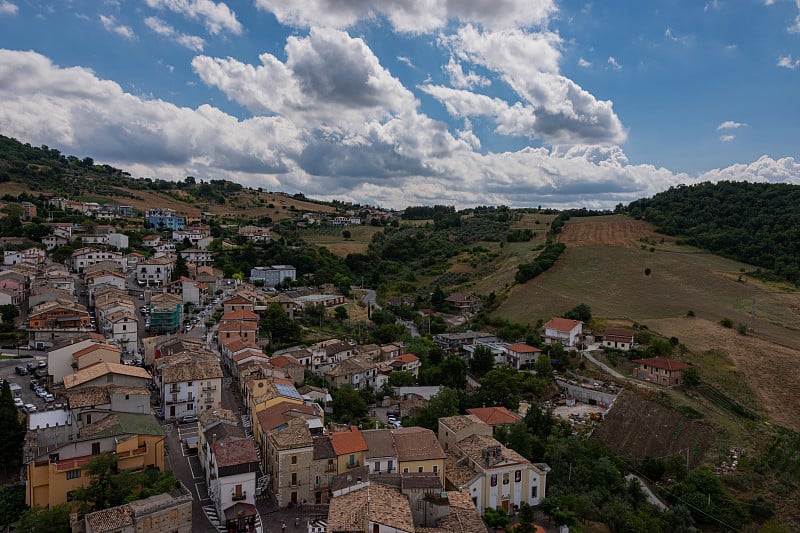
[(192, 42), (216, 16), (730, 125), (7, 8), (584, 63), (110, 24), (727, 138), (788, 62)]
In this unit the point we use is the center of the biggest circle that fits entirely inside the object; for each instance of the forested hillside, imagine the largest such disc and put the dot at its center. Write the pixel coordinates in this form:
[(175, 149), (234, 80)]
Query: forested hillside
[(757, 223)]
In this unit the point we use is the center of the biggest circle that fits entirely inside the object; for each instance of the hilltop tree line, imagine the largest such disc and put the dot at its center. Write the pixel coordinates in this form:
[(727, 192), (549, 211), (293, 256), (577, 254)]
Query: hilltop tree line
[(757, 223)]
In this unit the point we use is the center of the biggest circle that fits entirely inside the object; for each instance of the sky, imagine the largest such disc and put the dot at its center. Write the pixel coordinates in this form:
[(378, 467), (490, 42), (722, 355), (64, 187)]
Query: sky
[(394, 103)]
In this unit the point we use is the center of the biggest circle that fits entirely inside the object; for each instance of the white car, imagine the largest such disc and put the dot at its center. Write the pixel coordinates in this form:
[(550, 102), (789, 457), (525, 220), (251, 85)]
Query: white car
[(18, 402), (29, 408), (49, 398)]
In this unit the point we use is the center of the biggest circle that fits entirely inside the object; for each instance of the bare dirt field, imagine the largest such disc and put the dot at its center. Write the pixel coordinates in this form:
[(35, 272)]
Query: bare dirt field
[(637, 427), (616, 230), (768, 369)]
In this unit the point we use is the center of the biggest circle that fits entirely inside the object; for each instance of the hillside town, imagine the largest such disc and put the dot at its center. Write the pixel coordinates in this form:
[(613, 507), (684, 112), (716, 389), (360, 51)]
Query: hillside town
[(157, 361)]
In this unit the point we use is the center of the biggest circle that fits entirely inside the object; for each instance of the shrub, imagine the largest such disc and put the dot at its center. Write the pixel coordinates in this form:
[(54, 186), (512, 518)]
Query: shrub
[(726, 323)]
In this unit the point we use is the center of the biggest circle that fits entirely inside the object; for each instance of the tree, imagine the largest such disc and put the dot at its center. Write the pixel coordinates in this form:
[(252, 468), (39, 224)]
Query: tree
[(346, 234), (9, 312), (482, 360), (454, 372), (348, 405), (501, 386), (40, 520), (181, 268), (107, 488), (280, 326), (580, 312), (442, 404), (647, 271), (496, 518), (340, 313), (526, 518), (691, 376), (518, 438), (400, 378), (653, 468), (12, 503), (13, 431), (543, 367), (438, 299)]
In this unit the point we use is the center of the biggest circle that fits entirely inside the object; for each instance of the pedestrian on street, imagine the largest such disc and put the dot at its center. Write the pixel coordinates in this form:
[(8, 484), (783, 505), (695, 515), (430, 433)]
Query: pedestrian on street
[(283, 526)]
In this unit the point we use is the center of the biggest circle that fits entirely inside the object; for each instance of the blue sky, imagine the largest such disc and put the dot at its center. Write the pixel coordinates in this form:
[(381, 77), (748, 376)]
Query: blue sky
[(406, 102)]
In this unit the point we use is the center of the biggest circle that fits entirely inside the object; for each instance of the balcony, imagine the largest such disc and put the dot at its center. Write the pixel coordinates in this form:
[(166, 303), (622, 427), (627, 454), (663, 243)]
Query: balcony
[(353, 464), (209, 388), (330, 468), (240, 497)]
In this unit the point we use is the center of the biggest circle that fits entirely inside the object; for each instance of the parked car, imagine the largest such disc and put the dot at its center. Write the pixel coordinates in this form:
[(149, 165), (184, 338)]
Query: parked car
[(42, 363), (18, 402), (31, 367), (49, 398), (41, 393), (21, 370), (188, 419), (9, 346), (29, 408), (34, 384), (396, 424)]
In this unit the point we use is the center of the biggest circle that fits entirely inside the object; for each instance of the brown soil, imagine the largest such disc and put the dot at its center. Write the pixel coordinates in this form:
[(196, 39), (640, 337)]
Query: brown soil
[(637, 427), (768, 369), (615, 231)]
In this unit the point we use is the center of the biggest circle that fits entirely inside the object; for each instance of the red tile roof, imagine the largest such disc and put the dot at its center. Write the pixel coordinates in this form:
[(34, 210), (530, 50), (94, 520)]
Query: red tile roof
[(240, 315), (280, 361), (94, 347), (350, 441), (495, 415), (522, 348), (663, 363), (562, 324), (407, 358), (237, 300)]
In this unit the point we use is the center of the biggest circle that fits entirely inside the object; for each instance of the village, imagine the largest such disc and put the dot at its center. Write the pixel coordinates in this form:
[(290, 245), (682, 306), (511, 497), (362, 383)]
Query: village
[(171, 373)]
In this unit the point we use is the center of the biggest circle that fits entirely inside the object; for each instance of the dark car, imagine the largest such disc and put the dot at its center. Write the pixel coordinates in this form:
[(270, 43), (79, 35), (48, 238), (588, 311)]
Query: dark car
[(9, 346), (21, 370)]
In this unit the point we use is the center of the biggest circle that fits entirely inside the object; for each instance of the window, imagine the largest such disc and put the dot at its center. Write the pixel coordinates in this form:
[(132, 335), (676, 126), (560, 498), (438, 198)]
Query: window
[(405, 470), (377, 467), (294, 459), (95, 448), (389, 465), (294, 479), (352, 460), (534, 491), (189, 383), (88, 418), (124, 327), (421, 469), (74, 474), (506, 478), (435, 469)]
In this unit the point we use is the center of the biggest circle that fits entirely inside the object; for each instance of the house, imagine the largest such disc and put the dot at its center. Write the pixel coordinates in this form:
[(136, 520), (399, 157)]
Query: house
[(60, 358), (237, 303), (154, 271), (273, 275), (105, 373), (418, 450), (563, 330), (492, 474), (122, 327), (495, 416), (617, 338), (83, 257), (280, 414), (166, 313), (407, 362), (521, 355), (373, 507), (190, 291), (288, 454), (170, 512), (136, 439), (189, 384), (464, 302), (198, 256), (165, 222), (230, 462), (667, 372), (357, 372), (350, 447), (244, 330)]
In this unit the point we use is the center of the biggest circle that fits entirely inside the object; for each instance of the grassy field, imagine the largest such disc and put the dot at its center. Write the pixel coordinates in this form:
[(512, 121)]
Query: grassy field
[(332, 239)]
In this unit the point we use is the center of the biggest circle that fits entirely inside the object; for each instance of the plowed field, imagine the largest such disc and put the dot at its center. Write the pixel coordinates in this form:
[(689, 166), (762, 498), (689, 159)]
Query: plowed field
[(614, 231)]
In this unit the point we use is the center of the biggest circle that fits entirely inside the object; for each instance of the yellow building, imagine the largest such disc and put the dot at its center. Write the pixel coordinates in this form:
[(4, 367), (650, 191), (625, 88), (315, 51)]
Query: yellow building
[(266, 393), (418, 450), (350, 448), (136, 439)]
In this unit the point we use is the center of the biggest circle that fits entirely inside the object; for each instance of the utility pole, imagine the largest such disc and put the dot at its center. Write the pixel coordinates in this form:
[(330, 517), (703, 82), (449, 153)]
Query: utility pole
[(753, 315)]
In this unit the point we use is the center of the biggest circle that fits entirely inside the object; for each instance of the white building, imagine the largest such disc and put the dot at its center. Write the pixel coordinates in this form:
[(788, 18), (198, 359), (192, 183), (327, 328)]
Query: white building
[(563, 330), (154, 271)]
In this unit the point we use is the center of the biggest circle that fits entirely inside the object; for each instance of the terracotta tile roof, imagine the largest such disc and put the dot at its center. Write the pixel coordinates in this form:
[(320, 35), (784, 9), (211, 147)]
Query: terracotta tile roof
[(191, 371), (76, 340), (407, 358), (463, 517), (522, 348), (294, 435), (416, 444), (111, 519), (250, 353), (663, 363), (234, 451), (350, 441), (96, 370), (242, 314), (421, 480), (459, 422), (94, 348), (323, 449), (495, 415), (460, 297), (618, 334), (458, 473), (88, 397), (237, 300), (238, 325), (376, 503), (474, 445), (280, 414), (564, 325), (280, 361), (379, 443)]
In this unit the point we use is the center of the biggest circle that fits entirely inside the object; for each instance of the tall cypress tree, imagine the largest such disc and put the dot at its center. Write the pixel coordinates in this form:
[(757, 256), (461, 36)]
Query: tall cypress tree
[(13, 431)]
